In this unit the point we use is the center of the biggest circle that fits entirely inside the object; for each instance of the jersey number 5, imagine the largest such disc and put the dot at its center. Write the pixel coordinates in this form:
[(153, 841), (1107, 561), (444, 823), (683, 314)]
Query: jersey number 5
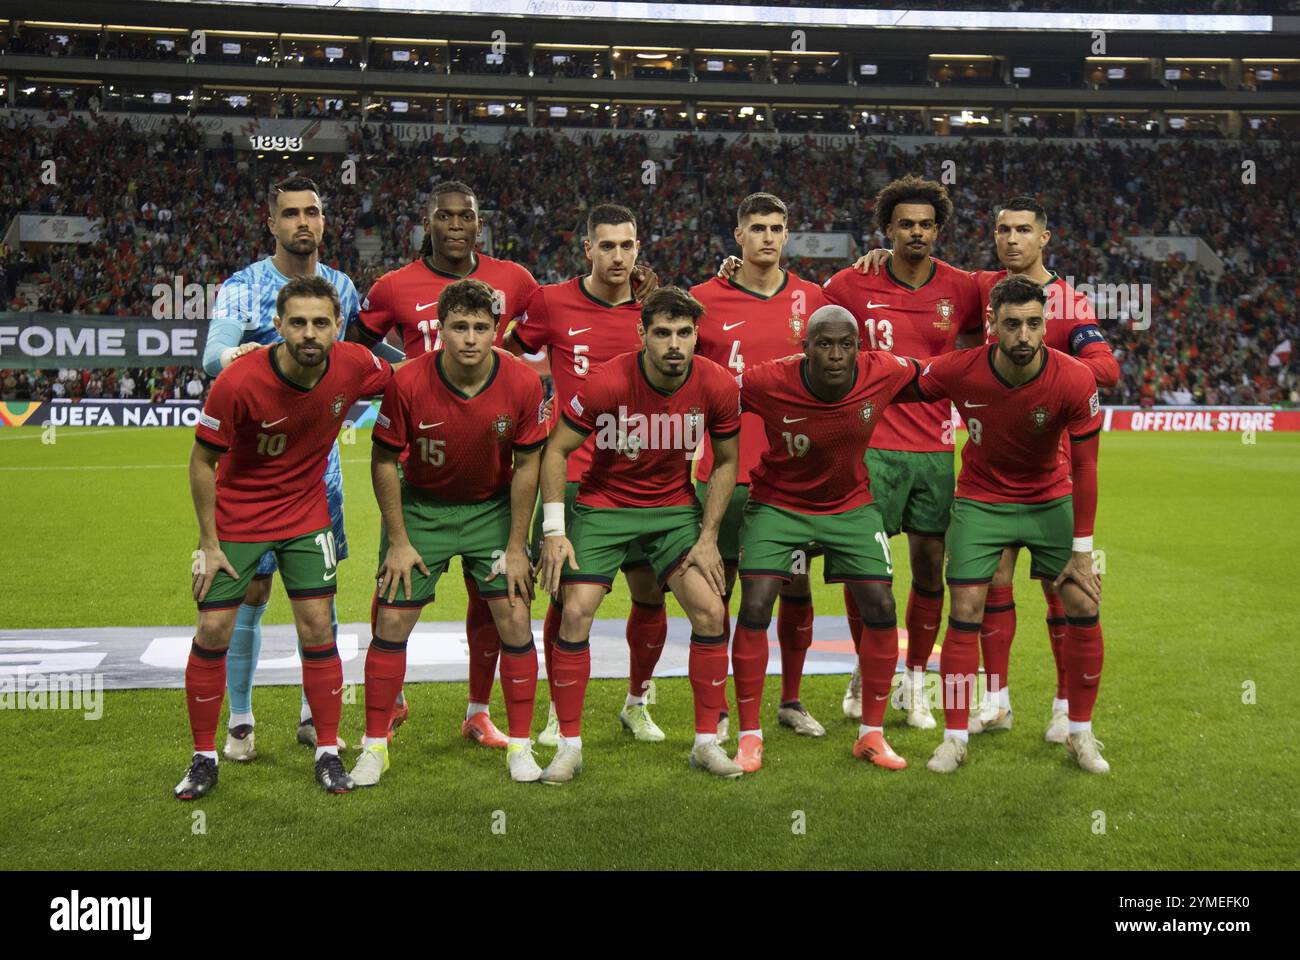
[(581, 362)]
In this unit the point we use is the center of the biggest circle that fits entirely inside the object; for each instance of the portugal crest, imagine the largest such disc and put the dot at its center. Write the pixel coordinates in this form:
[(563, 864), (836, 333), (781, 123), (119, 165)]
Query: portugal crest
[(867, 410), (1039, 415), (944, 309), (336, 407), (501, 426), (797, 327)]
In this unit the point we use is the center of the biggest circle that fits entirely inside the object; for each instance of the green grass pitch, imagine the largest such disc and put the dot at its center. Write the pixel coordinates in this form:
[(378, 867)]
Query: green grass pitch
[(1199, 532)]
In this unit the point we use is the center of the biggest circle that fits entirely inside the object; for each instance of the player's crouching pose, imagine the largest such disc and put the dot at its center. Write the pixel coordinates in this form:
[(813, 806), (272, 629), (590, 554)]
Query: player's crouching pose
[(473, 420), (1017, 396), (819, 410), (650, 411), (255, 476)]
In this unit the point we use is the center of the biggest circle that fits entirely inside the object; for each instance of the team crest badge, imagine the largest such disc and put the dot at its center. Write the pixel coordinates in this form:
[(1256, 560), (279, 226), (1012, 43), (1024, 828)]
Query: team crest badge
[(695, 420), (1039, 416), (336, 407), (797, 327), (501, 425), (867, 410), (944, 309)]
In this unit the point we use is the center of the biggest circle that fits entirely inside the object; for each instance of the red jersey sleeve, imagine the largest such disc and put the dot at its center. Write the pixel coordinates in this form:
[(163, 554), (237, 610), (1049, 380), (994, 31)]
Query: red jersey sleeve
[(903, 371), (817, 299), (390, 422), (525, 288), (971, 307), (372, 374), (754, 384), (592, 398), (1085, 410), (376, 316), (933, 381), (531, 412), (1088, 344), (216, 426), (837, 289), (724, 405), (533, 331)]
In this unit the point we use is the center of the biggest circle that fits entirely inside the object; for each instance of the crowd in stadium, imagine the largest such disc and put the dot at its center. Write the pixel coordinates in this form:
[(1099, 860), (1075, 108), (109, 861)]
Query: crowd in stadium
[(171, 207)]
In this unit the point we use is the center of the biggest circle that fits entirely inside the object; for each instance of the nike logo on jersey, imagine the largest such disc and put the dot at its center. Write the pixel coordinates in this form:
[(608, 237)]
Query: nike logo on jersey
[(792, 419), (731, 326), (273, 423), (972, 406), (430, 426), (425, 306), (574, 333), (872, 306)]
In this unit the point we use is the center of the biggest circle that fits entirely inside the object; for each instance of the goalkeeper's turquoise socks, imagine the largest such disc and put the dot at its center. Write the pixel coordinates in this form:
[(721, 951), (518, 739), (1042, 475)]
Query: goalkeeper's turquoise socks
[(241, 660)]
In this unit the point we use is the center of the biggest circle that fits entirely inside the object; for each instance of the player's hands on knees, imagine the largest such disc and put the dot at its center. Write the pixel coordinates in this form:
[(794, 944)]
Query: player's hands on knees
[(207, 562), (396, 569), (644, 282), (555, 551), (1080, 570), (704, 555), (873, 261), (515, 565), (728, 267)]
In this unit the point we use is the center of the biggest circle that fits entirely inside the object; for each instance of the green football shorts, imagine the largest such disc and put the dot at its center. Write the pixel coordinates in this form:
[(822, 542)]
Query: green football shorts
[(439, 530), (979, 531), (912, 490), (775, 543), (635, 556), (603, 537), (732, 520), (308, 567)]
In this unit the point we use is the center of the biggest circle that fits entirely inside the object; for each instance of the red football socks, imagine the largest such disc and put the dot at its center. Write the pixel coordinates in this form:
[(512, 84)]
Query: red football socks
[(958, 664), (794, 623), (647, 631), (519, 687), (484, 645), (551, 630), (569, 685), (924, 614), (996, 634), (749, 666), (205, 690), (877, 660), (707, 668), (385, 671), (322, 682), (1084, 654)]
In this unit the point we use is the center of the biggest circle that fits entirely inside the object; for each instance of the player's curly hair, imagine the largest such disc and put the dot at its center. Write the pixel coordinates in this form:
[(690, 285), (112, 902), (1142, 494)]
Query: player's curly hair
[(912, 189), (311, 286), (760, 203), (1015, 289), (673, 301), (468, 296)]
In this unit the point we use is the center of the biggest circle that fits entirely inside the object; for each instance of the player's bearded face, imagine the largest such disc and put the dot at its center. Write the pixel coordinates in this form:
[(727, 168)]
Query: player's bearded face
[(309, 328), (1021, 327), (613, 251), (831, 353), (913, 230), (298, 222), (670, 344)]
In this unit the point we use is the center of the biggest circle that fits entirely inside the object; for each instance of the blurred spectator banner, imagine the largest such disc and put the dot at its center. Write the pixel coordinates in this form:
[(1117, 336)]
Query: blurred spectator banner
[(31, 341), (827, 246), (35, 228), (133, 413)]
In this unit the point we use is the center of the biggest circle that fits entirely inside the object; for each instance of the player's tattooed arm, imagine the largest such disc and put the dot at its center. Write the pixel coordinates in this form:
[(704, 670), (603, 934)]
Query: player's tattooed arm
[(396, 565), (523, 497), (722, 481), (203, 490), (556, 548), (644, 282)]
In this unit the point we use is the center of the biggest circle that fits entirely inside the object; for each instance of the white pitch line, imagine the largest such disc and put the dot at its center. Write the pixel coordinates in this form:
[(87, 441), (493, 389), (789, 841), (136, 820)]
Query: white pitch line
[(128, 466), (87, 433)]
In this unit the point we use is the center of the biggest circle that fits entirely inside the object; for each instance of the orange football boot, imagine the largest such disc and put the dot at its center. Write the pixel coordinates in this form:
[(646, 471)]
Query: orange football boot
[(749, 755), (872, 746), (481, 728)]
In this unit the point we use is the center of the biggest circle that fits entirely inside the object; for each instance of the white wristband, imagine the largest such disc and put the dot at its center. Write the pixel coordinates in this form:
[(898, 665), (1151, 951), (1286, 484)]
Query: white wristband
[(1083, 545), (227, 355), (552, 519)]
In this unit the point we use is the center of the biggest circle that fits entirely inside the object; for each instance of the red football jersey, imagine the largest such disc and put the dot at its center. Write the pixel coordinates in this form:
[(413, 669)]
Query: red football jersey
[(741, 329), (923, 322), (276, 437), (815, 449), (461, 448), (581, 333), (643, 441), (1071, 325), (407, 298), (1012, 454)]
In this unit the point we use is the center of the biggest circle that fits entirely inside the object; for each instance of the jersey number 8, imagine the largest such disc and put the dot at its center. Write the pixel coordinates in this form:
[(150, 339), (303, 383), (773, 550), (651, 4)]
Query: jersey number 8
[(976, 430)]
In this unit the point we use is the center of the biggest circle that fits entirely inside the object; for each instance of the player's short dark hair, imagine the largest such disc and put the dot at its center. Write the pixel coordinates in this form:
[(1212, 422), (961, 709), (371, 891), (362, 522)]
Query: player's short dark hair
[(289, 185), (314, 286), (468, 296), (1025, 203), (447, 186), (757, 204), (912, 189), (609, 213), (1015, 289), (673, 301)]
